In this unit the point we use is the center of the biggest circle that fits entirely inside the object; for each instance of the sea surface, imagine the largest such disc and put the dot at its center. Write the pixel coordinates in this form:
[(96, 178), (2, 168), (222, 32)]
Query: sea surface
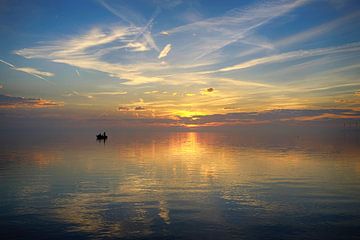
[(180, 185)]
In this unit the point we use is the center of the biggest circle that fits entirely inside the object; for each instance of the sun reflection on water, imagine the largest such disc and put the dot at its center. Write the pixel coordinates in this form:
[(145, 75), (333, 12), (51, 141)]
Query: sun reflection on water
[(134, 183)]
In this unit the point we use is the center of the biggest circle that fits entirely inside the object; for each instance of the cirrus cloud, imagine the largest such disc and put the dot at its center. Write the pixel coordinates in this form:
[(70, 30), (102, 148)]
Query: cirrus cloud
[(32, 71), (165, 51)]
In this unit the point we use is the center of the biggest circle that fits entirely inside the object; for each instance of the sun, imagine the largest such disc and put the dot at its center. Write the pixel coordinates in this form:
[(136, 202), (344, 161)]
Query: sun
[(187, 113)]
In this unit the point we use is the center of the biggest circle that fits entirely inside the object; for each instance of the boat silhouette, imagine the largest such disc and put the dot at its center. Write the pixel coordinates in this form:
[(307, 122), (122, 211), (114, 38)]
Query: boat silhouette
[(101, 136)]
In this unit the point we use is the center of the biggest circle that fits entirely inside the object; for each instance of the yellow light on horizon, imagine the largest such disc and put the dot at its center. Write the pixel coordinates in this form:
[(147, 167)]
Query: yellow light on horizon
[(186, 113)]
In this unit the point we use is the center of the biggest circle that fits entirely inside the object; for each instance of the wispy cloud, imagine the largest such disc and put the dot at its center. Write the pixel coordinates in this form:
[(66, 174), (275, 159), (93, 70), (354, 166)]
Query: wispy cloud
[(89, 50), (293, 55), (9, 102), (165, 51), (92, 49), (125, 13), (73, 93), (151, 92), (138, 47), (271, 116), (9, 64), (201, 56), (134, 19), (32, 71), (122, 108), (213, 34), (308, 34), (130, 109), (139, 108), (317, 31), (109, 93), (317, 117), (238, 82)]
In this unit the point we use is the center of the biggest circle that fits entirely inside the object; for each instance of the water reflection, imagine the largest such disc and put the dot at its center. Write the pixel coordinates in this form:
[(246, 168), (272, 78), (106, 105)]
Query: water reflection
[(182, 185), (101, 140)]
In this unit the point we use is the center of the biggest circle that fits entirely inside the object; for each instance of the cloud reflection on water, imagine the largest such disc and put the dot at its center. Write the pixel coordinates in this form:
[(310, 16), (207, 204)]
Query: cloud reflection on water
[(144, 185)]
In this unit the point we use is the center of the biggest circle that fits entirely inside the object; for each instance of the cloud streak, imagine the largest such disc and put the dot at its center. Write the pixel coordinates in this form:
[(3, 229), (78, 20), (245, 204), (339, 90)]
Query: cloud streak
[(32, 71), (204, 55), (292, 56), (283, 117), (130, 109), (165, 51), (271, 116), (213, 34), (109, 93), (10, 102), (89, 50), (92, 49), (135, 20), (318, 30)]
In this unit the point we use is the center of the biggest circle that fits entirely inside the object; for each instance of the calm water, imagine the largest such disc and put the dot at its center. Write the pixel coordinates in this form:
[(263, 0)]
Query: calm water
[(180, 186)]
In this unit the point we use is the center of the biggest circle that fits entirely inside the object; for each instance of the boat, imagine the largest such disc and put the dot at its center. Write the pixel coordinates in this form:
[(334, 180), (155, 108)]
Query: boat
[(101, 137)]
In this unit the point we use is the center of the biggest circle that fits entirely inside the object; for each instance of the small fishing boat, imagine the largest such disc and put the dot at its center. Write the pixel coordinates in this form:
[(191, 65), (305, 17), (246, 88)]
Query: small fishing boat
[(101, 137)]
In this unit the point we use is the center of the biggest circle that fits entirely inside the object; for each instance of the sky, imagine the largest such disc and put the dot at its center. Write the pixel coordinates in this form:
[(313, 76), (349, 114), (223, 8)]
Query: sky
[(189, 64)]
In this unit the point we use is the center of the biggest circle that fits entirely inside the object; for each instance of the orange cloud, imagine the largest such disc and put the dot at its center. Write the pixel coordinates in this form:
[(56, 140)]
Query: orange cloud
[(139, 108), (268, 117), (326, 116), (127, 109), (122, 108), (7, 102)]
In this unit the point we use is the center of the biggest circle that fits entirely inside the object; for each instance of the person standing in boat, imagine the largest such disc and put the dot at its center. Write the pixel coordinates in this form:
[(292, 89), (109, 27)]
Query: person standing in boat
[(105, 135)]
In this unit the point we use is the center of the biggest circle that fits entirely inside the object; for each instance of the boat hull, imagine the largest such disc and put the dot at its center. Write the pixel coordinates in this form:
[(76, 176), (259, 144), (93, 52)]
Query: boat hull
[(101, 137)]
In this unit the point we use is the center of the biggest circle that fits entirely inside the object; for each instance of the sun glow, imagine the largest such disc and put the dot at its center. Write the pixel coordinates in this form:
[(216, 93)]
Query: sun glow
[(188, 113)]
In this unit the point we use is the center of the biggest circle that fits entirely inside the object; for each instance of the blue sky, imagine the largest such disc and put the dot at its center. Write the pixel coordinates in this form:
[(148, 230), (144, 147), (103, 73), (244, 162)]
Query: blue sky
[(171, 61)]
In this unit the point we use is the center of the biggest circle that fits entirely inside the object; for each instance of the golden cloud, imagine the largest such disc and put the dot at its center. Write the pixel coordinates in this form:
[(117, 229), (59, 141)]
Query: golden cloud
[(7, 101)]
